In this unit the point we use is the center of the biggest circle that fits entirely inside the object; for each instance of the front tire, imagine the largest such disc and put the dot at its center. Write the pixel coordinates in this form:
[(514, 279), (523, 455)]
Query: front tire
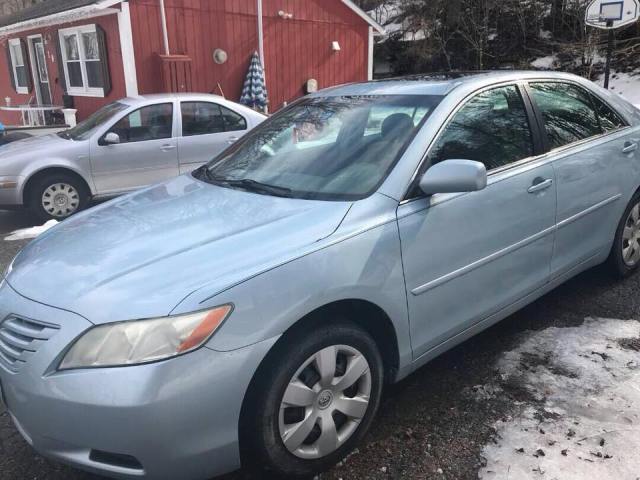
[(57, 196), (315, 400), (624, 258)]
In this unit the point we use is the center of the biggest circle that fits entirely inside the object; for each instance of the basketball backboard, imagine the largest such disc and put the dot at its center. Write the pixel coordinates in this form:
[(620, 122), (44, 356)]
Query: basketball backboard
[(608, 14)]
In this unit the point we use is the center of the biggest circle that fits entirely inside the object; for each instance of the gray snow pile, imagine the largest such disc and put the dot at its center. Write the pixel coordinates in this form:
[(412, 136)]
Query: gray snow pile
[(580, 414)]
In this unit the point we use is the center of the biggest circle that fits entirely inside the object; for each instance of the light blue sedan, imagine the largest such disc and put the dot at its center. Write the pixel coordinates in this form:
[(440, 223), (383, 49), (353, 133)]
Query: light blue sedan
[(260, 304)]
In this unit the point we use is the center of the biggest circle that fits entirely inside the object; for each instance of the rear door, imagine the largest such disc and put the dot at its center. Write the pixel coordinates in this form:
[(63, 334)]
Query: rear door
[(207, 129), (468, 256), (147, 152), (587, 142)]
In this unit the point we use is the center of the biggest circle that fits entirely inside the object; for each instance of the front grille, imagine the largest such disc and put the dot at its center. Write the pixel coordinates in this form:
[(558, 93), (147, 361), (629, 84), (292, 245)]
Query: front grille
[(20, 338)]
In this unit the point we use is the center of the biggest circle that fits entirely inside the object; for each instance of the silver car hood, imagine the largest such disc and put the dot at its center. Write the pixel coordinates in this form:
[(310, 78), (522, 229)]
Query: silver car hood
[(30, 144), (138, 256)]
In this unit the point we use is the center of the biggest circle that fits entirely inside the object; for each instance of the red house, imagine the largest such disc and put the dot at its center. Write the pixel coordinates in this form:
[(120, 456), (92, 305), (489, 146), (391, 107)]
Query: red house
[(86, 53)]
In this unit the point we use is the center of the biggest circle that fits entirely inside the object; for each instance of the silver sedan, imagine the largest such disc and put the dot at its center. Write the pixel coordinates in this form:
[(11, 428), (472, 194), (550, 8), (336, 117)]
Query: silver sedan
[(125, 145)]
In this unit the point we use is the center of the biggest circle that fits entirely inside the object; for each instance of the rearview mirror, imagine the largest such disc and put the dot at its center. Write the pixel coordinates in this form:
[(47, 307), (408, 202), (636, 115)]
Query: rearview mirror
[(111, 138), (453, 176)]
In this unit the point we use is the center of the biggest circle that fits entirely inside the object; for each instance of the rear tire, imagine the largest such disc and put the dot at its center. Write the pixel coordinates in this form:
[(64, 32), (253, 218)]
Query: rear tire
[(301, 419), (624, 258), (57, 196)]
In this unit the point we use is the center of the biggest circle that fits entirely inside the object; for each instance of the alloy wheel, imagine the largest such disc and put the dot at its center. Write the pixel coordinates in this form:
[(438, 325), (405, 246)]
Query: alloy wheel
[(60, 200), (325, 401)]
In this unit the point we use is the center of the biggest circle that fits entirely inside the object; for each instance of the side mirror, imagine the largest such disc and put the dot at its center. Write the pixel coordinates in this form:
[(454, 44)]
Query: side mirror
[(111, 138), (453, 176)]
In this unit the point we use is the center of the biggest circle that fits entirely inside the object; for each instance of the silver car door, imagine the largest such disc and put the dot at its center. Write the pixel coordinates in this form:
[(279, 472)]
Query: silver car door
[(145, 151), (207, 129), (469, 256), (595, 166)]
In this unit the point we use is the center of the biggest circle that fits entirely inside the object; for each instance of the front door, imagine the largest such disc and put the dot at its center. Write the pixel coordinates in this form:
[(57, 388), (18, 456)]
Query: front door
[(146, 152), (39, 70), (468, 256)]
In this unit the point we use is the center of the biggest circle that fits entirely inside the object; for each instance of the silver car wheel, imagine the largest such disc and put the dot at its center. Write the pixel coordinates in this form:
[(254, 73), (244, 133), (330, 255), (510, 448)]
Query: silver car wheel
[(60, 200), (631, 237), (325, 401)]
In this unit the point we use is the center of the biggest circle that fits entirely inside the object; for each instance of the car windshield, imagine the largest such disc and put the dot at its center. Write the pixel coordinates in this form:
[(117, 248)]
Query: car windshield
[(332, 148), (85, 129)]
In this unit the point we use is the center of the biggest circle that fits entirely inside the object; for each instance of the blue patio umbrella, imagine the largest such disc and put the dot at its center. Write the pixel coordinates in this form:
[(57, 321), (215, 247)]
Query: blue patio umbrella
[(254, 92)]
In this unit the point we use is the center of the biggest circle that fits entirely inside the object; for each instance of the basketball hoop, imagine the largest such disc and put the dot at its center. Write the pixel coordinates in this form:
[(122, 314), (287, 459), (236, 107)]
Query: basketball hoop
[(609, 15)]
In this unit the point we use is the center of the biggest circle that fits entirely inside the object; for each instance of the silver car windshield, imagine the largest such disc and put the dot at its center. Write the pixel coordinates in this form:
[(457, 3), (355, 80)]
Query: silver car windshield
[(85, 129), (332, 148)]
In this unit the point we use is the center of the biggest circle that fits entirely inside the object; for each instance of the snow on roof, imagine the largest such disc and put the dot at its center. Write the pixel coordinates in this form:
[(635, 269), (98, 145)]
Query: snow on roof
[(52, 12)]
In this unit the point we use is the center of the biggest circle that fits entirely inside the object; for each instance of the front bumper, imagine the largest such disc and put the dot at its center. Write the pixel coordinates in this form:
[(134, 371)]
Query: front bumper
[(11, 191), (166, 420)]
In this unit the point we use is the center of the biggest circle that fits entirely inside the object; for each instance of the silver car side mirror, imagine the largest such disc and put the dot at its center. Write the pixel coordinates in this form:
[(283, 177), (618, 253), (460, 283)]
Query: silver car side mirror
[(111, 138), (453, 176)]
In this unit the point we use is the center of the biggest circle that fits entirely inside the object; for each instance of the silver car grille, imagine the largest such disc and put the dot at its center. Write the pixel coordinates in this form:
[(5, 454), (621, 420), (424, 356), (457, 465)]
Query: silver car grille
[(20, 339)]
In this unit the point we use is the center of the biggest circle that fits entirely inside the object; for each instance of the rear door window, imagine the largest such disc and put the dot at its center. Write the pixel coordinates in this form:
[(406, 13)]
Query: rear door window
[(567, 111), (201, 118), (609, 119)]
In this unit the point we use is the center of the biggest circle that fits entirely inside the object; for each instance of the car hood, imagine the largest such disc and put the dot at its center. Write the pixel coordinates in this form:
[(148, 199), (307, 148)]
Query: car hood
[(138, 256), (30, 144)]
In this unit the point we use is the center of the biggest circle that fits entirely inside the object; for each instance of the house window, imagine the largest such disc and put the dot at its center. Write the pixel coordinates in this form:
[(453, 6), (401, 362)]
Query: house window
[(83, 55), (18, 66)]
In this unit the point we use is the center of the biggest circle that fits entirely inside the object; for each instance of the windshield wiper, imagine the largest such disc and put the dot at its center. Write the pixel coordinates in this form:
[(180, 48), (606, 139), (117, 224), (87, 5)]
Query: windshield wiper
[(250, 185)]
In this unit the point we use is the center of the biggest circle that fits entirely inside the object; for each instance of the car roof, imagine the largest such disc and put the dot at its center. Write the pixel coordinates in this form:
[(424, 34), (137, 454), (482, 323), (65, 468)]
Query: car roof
[(157, 97), (438, 83)]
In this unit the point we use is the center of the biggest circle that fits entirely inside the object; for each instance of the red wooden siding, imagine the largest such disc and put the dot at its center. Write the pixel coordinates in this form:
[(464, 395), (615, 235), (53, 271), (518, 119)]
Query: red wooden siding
[(296, 50), (85, 105)]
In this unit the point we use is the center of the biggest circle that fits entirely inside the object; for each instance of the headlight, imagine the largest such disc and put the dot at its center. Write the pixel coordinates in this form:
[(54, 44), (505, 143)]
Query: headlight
[(143, 341)]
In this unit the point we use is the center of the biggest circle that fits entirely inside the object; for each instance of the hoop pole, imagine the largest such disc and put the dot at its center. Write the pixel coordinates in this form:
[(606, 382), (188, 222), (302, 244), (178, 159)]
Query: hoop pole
[(607, 68)]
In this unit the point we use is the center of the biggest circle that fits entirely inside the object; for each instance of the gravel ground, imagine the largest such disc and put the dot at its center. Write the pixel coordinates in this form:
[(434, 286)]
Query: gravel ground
[(432, 425)]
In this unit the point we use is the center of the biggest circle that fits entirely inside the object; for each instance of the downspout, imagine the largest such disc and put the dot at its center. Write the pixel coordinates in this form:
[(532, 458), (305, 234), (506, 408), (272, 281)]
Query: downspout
[(260, 34), (165, 35), (261, 44)]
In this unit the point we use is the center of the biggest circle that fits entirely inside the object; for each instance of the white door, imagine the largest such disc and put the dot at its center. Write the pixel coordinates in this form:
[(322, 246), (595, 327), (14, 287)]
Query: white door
[(207, 130)]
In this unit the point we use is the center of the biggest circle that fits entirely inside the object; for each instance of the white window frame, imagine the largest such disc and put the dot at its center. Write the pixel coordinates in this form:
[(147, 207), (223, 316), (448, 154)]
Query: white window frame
[(16, 42), (85, 90)]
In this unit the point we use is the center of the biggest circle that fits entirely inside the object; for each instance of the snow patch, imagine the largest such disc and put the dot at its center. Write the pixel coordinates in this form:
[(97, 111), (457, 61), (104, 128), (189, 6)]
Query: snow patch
[(625, 84), (32, 232), (545, 63), (581, 416)]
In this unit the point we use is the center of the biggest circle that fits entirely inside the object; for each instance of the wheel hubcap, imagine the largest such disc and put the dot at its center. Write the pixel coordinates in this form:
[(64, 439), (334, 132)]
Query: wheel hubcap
[(325, 401), (631, 238), (60, 200)]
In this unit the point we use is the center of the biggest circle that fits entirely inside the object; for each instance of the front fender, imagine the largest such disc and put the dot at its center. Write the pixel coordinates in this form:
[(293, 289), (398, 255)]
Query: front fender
[(363, 267), (80, 168)]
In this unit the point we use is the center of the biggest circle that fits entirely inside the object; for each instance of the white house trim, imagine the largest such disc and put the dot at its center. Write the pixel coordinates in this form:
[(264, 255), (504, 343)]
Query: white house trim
[(15, 42), (85, 90), (81, 13), (128, 51), (362, 14)]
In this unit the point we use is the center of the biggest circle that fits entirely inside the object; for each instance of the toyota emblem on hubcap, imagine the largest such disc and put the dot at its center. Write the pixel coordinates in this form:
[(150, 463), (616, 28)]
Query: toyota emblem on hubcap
[(324, 399)]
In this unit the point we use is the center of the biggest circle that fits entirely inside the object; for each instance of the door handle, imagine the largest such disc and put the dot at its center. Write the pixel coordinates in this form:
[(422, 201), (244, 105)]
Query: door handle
[(540, 184), (232, 140), (167, 148), (629, 147)]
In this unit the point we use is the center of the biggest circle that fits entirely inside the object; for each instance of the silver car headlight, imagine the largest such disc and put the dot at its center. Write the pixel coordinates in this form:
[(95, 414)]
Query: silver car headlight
[(144, 341)]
